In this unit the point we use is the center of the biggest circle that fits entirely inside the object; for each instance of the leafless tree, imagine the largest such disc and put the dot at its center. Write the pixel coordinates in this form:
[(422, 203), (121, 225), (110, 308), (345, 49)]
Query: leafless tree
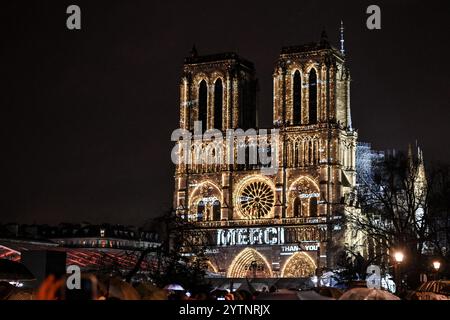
[(181, 257), (395, 206), (440, 209)]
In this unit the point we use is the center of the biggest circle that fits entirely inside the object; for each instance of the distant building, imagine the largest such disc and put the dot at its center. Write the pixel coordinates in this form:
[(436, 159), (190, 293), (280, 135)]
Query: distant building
[(92, 247), (366, 159)]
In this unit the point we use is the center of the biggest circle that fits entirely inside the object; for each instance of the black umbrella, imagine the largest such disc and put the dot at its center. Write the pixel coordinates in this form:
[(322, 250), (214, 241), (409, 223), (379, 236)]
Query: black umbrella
[(14, 271), (282, 294)]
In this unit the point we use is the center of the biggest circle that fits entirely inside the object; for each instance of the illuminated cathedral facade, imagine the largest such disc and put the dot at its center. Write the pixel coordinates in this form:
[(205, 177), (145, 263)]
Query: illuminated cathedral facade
[(284, 222)]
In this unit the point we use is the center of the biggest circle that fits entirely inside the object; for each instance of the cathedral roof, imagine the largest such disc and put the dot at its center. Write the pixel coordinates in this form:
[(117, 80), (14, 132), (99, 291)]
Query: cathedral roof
[(323, 44), (193, 59), (308, 47)]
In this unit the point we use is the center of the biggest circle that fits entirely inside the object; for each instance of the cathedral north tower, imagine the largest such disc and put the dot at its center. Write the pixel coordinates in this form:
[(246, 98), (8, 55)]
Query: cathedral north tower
[(218, 90)]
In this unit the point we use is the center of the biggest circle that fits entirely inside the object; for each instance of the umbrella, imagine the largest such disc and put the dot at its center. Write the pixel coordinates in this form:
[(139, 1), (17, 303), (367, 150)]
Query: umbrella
[(6, 290), (21, 295), (9, 292), (368, 294), (259, 286), (230, 287), (282, 294), (218, 293), (149, 291), (330, 292), (115, 288), (174, 287), (247, 286), (428, 296), (14, 271), (312, 295)]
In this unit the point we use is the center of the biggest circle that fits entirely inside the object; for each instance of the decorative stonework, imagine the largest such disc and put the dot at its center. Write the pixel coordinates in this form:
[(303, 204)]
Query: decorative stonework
[(256, 200), (248, 263), (315, 164), (299, 265)]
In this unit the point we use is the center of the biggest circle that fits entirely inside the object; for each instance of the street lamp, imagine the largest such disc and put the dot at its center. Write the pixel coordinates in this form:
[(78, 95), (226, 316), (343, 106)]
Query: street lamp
[(437, 266), (398, 257)]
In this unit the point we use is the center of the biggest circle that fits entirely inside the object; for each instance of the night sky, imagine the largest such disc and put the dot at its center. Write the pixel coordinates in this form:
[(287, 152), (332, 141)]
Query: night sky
[(87, 115)]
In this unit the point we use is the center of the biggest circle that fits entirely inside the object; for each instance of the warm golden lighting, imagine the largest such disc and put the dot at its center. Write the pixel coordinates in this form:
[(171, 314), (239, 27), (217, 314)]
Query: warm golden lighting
[(436, 265), (241, 266), (299, 265), (398, 256), (265, 189), (255, 197)]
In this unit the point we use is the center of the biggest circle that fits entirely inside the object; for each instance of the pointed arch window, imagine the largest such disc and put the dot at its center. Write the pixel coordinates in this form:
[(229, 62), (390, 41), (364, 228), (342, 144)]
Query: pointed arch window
[(297, 98), (312, 112), (313, 207), (203, 104), (200, 210), (297, 208), (218, 104), (216, 210)]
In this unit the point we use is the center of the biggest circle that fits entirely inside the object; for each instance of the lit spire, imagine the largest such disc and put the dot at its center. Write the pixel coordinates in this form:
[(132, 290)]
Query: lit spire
[(342, 37)]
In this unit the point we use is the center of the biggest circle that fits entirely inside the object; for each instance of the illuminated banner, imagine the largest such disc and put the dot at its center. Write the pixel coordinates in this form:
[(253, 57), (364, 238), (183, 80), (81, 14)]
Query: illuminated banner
[(250, 236), (314, 246)]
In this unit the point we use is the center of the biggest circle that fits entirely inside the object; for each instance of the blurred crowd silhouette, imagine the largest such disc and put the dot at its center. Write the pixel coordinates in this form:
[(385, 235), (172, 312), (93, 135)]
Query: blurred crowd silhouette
[(101, 287)]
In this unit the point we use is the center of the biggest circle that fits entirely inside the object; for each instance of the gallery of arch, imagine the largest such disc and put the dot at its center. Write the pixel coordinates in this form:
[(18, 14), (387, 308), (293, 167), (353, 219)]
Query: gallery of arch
[(292, 221)]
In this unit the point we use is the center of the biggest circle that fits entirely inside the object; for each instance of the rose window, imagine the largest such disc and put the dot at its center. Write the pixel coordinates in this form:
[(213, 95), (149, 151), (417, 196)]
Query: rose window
[(256, 200)]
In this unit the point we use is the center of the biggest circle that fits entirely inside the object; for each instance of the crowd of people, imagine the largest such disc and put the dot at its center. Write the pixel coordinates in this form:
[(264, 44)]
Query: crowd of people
[(218, 294), (100, 287), (104, 287)]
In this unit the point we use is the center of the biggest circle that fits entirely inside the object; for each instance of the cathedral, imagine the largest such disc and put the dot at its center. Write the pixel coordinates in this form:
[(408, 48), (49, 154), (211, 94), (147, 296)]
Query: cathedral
[(287, 222)]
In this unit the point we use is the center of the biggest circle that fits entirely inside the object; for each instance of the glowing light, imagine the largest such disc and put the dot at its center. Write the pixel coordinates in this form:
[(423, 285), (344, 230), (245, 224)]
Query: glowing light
[(250, 236), (398, 256), (239, 267), (16, 284), (436, 265), (212, 267), (299, 265)]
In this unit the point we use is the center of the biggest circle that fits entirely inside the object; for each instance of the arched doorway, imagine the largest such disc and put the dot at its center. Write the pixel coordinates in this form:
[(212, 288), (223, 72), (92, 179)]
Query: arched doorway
[(210, 267), (249, 263), (299, 265)]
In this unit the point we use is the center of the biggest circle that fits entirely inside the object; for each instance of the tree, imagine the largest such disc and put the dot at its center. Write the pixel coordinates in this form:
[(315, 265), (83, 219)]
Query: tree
[(395, 205), (352, 266), (440, 210), (180, 258)]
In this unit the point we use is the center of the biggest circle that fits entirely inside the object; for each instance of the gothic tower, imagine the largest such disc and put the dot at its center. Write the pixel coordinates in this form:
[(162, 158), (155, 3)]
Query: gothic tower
[(218, 90), (311, 106)]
